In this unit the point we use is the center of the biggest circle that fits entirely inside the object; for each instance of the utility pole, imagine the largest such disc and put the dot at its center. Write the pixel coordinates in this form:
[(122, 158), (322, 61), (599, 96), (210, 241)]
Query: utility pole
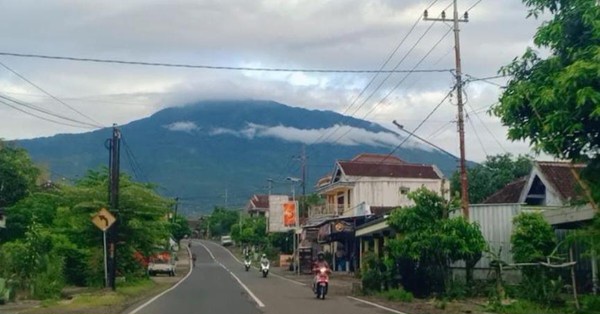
[(176, 207), (303, 160), (461, 126), (270, 185), (114, 170)]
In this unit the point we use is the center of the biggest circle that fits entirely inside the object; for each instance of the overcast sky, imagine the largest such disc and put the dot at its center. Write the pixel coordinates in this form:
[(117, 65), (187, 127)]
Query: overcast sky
[(342, 34)]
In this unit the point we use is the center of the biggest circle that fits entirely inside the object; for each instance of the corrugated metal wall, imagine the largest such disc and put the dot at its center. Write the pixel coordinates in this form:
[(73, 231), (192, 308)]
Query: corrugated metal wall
[(495, 222)]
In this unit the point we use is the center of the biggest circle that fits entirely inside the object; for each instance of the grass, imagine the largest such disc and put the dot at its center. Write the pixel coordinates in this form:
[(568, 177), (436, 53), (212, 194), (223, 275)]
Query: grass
[(126, 294), (526, 307), (397, 295)]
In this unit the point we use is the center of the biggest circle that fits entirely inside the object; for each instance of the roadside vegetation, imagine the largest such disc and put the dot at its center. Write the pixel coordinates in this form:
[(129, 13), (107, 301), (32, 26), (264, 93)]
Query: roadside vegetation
[(50, 242)]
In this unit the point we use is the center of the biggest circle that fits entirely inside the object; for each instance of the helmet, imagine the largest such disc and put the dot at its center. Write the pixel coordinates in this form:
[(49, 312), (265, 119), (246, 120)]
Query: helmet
[(264, 255), (320, 256)]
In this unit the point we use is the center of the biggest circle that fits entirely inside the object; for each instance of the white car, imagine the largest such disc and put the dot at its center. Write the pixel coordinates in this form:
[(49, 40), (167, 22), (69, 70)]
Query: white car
[(226, 241), (161, 266)]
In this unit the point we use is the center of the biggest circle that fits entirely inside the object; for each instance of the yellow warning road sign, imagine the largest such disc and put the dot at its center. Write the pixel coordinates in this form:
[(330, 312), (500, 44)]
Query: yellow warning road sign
[(103, 219)]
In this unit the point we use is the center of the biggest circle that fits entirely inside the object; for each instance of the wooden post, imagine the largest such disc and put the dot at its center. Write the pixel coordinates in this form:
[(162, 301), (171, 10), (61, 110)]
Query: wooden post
[(573, 282)]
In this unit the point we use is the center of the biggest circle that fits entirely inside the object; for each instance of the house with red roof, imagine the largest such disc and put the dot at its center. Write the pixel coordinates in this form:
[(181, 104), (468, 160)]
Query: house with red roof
[(548, 184), (361, 192), (552, 189), (258, 205), (376, 183)]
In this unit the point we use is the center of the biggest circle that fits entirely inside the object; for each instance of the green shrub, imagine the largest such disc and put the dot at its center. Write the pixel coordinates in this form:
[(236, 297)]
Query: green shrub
[(371, 275), (525, 307), (591, 303), (456, 290), (49, 283), (398, 295)]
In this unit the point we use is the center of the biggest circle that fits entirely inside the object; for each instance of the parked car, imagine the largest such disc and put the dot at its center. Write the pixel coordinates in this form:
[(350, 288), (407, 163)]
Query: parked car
[(161, 266), (226, 240)]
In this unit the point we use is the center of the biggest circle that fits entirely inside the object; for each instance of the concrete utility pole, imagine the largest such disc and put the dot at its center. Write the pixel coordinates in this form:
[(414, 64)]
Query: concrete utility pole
[(114, 170), (459, 97), (270, 185), (303, 160), (176, 207)]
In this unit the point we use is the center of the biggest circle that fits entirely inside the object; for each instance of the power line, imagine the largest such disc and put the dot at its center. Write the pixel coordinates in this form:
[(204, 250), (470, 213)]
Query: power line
[(411, 134), (439, 130), (423, 122), (41, 117), (42, 110), (477, 135), (488, 130), (389, 58), (485, 80), (383, 82), (210, 67), (474, 5), (51, 96), (399, 83), (134, 160)]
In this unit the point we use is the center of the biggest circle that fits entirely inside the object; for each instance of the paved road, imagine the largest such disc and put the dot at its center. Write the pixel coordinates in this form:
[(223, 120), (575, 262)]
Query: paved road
[(212, 288)]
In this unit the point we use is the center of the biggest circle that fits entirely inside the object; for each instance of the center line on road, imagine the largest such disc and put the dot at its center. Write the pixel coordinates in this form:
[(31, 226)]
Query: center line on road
[(272, 274), (250, 293), (375, 305)]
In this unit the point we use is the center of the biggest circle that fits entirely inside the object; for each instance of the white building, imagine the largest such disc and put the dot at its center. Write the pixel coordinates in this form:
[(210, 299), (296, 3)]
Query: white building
[(372, 182)]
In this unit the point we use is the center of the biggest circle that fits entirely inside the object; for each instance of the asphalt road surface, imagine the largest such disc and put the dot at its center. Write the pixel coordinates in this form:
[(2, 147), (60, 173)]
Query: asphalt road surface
[(220, 285)]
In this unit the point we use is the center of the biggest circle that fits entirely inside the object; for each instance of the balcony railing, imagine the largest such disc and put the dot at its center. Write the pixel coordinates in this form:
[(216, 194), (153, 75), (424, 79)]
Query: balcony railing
[(326, 210)]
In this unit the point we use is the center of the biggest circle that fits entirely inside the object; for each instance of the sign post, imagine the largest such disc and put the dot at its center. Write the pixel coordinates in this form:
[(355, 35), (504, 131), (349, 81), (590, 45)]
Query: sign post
[(103, 220)]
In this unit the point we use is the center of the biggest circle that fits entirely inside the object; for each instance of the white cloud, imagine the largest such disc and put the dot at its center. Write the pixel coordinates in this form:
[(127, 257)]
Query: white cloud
[(182, 126), (338, 134), (337, 34)]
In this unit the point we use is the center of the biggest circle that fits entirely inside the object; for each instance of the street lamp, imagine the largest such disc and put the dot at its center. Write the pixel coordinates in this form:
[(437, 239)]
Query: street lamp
[(296, 254)]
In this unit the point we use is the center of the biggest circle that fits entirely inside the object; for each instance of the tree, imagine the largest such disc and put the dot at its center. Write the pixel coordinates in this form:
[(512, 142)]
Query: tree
[(18, 174), (428, 242), (253, 231), (492, 175), (221, 220), (533, 240), (179, 228), (554, 102)]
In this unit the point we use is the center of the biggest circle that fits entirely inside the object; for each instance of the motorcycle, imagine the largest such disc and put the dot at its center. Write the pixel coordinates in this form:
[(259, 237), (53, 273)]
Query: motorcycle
[(322, 283), (247, 264), (264, 269)]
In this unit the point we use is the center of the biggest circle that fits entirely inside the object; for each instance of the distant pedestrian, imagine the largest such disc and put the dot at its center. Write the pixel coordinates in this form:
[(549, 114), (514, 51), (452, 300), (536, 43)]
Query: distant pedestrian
[(194, 259)]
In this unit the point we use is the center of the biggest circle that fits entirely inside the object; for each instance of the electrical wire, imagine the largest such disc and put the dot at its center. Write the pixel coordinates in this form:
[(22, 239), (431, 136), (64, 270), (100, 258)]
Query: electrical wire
[(414, 130), (488, 130), (210, 67), (389, 58), (47, 112), (50, 95), (42, 117), (136, 165), (397, 85), (474, 5), (477, 135), (439, 130)]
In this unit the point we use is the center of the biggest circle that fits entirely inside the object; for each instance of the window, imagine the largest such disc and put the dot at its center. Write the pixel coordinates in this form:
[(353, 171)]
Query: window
[(404, 190)]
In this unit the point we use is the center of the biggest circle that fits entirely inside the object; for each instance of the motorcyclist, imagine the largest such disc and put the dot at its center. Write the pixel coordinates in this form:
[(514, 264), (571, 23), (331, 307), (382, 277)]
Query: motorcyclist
[(264, 259), (317, 265)]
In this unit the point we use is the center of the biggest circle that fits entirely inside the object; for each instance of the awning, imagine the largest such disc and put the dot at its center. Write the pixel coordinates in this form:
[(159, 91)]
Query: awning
[(376, 226)]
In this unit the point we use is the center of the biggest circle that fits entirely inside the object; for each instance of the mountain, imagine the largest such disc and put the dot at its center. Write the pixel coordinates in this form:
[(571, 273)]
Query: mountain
[(213, 152)]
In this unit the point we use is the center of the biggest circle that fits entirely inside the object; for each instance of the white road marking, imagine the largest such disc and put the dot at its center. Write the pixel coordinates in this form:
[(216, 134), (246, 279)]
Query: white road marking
[(376, 305), (250, 293), (272, 274), (168, 290)]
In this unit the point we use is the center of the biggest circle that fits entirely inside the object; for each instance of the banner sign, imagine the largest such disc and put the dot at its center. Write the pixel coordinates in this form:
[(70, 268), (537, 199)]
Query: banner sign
[(289, 214)]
